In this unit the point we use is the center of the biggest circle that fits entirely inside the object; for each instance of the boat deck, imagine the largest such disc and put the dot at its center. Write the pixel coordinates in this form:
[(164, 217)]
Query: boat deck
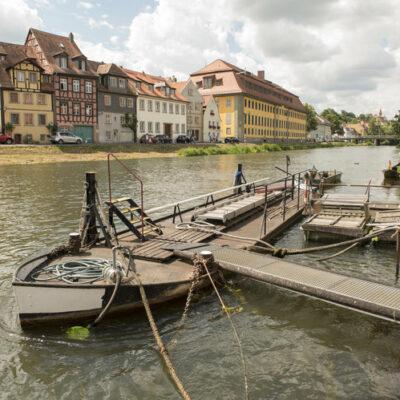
[(364, 295)]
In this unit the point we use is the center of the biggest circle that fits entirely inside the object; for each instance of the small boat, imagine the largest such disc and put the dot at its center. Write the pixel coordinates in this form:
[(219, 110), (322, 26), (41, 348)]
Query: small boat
[(391, 175), (326, 177)]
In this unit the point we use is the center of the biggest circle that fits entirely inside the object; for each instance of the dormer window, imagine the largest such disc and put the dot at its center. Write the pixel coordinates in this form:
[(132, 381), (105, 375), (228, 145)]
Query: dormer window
[(113, 81), (2, 57), (62, 62), (150, 87), (80, 64), (122, 83), (172, 92), (167, 91), (207, 82), (138, 85)]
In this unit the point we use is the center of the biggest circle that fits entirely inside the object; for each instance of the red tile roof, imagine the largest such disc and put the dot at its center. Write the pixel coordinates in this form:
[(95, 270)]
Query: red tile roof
[(236, 80), (53, 45), (156, 82)]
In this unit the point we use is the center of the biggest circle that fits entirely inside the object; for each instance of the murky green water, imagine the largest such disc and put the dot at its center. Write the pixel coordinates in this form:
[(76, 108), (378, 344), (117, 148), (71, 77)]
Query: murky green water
[(296, 347)]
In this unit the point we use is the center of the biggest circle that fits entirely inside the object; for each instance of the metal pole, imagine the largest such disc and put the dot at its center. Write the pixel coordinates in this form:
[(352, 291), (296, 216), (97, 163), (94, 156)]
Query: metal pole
[(91, 204), (298, 193), (397, 254), (284, 201), (292, 187)]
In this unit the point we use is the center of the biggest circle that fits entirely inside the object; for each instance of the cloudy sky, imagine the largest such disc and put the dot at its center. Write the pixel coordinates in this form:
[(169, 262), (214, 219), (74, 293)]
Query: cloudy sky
[(343, 54)]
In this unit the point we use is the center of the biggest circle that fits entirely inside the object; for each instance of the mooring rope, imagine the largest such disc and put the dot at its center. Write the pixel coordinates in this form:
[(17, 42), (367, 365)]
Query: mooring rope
[(203, 262)]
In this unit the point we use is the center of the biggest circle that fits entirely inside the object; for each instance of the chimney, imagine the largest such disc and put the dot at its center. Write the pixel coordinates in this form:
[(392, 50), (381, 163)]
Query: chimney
[(71, 37), (172, 78), (261, 74)]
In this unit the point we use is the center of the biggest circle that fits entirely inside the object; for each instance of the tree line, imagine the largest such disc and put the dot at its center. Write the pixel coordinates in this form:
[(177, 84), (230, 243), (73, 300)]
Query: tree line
[(336, 119)]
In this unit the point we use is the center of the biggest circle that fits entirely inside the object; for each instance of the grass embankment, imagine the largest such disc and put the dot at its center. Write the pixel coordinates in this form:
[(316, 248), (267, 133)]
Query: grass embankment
[(260, 148), (25, 154)]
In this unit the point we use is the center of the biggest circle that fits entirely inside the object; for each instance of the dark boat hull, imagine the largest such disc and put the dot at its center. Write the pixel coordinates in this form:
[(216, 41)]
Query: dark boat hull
[(390, 174)]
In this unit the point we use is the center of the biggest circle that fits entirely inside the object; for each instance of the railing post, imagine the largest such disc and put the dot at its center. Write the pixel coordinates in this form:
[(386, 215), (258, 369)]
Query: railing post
[(90, 225), (292, 187), (284, 201), (298, 192), (263, 231)]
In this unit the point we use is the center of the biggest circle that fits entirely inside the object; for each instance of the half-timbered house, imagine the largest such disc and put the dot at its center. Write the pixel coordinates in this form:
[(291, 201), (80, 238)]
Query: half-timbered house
[(74, 82), (27, 95)]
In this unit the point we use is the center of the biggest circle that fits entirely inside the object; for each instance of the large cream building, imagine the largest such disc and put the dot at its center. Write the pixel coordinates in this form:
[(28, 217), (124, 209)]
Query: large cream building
[(251, 108)]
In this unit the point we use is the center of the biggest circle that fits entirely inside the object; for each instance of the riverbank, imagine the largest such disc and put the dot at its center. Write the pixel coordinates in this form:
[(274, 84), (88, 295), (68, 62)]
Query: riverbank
[(36, 154)]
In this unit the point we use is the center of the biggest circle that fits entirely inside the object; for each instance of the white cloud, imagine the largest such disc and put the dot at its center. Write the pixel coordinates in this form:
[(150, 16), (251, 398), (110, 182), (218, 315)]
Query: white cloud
[(85, 4), (98, 24), (114, 39), (16, 17)]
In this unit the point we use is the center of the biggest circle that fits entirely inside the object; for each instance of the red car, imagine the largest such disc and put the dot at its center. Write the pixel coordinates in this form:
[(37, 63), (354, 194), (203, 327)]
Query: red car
[(148, 139), (6, 139)]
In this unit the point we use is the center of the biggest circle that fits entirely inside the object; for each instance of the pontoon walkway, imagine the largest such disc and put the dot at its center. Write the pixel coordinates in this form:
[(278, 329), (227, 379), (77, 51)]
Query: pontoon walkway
[(377, 299)]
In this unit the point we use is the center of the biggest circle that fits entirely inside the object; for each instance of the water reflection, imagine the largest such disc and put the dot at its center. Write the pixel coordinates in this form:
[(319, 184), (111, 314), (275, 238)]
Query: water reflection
[(296, 347)]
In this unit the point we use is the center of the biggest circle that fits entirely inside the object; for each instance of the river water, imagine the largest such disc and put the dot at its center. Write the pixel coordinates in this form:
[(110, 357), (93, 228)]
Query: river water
[(295, 347)]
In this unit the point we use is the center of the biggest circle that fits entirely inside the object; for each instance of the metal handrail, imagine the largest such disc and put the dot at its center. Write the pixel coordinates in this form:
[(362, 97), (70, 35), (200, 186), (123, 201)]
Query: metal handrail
[(134, 175)]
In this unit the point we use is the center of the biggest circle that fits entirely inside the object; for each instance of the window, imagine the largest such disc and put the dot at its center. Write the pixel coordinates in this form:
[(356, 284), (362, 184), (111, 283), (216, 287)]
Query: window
[(150, 87), (138, 85), (149, 105), (141, 105), (89, 110), (108, 135), (228, 118), (167, 90), (176, 128), (32, 77), (129, 102), (108, 119), (63, 84), (28, 119), (64, 108), (218, 82), (62, 62), (88, 87), (42, 119), (176, 108), (113, 81), (198, 85), (171, 108), (228, 131), (42, 138), (183, 128), (15, 119), (228, 102), (46, 79), (183, 109), (164, 107), (76, 86), (150, 127), (122, 101), (141, 126), (172, 92), (76, 109), (122, 83), (28, 98), (41, 99), (157, 106), (80, 64), (157, 127), (107, 100), (190, 107), (20, 76), (13, 97), (196, 120), (207, 82), (122, 119), (190, 120)]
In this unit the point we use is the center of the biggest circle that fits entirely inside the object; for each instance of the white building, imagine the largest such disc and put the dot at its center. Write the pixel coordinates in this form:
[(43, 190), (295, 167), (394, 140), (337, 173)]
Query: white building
[(323, 132), (194, 119), (211, 120), (161, 109)]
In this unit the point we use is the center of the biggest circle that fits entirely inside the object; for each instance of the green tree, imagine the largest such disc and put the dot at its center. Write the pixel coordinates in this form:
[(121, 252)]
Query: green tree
[(374, 128), (52, 127), (334, 119), (395, 125), (131, 123), (9, 128), (347, 116), (311, 124)]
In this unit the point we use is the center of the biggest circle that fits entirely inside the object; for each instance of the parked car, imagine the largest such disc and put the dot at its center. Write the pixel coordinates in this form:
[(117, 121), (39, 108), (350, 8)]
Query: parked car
[(232, 139), (6, 139), (163, 139), (65, 137), (148, 139), (183, 139)]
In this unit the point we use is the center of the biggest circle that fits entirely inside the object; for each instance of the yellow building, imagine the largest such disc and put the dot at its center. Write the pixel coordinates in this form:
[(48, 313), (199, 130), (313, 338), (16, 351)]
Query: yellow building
[(27, 95), (251, 108)]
